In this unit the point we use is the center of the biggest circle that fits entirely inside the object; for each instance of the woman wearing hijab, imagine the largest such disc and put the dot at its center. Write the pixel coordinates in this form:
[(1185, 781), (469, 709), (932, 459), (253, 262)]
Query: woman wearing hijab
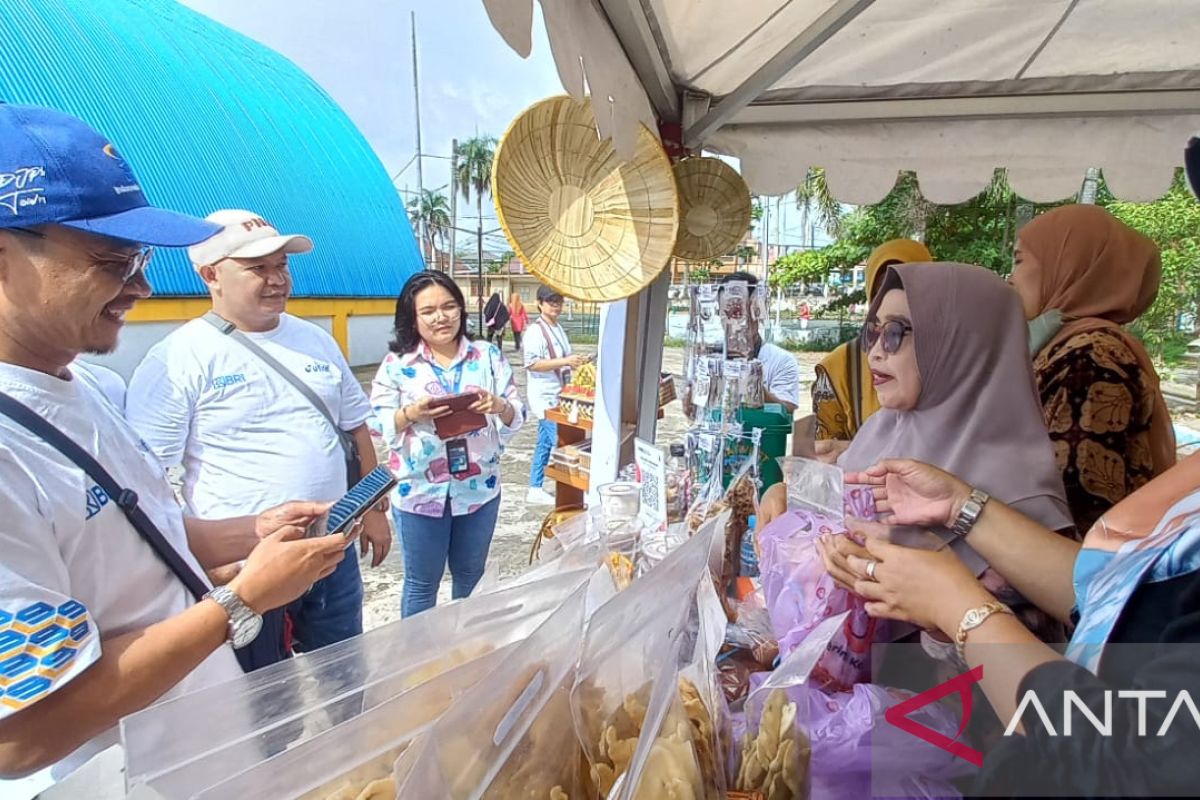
[(1082, 274), (843, 396), (519, 317), (495, 316), (1134, 580), (948, 355)]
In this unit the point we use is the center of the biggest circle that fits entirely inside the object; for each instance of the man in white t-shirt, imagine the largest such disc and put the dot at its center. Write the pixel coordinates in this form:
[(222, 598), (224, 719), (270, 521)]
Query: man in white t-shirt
[(94, 624), (781, 373), (246, 437), (548, 365)]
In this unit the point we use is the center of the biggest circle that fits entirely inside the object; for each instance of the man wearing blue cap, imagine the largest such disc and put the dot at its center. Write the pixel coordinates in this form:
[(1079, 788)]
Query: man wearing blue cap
[(104, 608)]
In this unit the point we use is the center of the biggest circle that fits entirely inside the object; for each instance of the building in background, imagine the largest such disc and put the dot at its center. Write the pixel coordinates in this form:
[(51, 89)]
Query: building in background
[(213, 119)]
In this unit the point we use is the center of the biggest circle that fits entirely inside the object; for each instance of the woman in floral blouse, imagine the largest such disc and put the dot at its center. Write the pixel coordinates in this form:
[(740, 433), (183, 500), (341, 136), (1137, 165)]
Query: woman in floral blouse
[(1082, 274), (448, 496)]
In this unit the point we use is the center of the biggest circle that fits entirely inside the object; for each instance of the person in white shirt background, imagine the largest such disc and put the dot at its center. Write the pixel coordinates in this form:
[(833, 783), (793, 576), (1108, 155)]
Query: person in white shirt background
[(548, 365), (781, 373), (94, 625), (246, 437)]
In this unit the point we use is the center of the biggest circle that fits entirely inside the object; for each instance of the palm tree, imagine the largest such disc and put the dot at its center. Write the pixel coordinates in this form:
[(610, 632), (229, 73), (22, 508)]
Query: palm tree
[(814, 195), (433, 209), (474, 174)]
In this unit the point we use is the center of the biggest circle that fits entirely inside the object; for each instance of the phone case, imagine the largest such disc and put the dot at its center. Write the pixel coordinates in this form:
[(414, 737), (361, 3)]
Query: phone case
[(461, 420)]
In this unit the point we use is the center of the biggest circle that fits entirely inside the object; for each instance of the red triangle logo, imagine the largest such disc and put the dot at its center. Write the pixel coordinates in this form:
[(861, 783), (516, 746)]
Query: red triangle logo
[(960, 684)]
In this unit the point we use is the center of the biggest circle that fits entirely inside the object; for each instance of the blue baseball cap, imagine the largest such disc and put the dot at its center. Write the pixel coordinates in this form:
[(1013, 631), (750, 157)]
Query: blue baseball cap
[(55, 168)]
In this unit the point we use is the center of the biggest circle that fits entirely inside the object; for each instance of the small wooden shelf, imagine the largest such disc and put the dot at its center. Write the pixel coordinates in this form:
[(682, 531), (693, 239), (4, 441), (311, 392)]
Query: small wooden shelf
[(556, 416), (561, 477)]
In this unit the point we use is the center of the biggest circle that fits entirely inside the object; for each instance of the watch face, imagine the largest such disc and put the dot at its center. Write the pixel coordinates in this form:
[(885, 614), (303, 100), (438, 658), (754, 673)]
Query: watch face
[(246, 630)]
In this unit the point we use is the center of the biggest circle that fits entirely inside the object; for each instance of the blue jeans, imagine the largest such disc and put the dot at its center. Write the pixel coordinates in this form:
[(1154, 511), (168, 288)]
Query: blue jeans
[(331, 611), (547, 438), (429, 542)]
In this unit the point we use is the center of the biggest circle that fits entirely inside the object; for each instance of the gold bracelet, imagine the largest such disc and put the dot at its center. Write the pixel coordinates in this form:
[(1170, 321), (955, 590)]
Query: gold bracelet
[(972, 620)]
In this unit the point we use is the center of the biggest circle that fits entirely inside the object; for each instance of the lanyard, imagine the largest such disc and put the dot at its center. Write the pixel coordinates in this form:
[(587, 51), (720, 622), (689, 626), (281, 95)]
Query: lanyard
[(458, 374)]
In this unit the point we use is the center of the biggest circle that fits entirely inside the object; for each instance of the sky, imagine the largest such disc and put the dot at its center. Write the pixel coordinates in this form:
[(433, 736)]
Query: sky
[(360, 52)]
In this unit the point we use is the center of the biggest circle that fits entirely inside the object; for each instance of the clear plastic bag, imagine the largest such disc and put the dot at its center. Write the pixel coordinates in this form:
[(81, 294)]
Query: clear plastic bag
[(815, 486), (632, 642), (227, 728), (510, 736), (737, 317), (774, 748)]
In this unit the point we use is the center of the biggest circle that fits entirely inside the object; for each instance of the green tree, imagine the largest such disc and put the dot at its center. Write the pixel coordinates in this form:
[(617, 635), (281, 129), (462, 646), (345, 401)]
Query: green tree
[(813, 196), (500, 263), (434, 210), (475, 169), (744, 253), (1174, 224)]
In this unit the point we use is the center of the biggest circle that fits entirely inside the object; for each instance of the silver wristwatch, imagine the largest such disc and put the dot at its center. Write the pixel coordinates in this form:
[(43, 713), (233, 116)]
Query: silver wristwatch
[(244, 624), (969, 514)]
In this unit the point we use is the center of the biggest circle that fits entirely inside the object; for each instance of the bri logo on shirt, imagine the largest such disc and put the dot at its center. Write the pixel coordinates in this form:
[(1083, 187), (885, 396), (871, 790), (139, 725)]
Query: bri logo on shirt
[(317, 367), (97, 499), (221, 381)]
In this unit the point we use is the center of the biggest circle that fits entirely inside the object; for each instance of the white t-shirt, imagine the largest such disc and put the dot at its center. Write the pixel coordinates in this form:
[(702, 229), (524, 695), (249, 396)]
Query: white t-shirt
[(543, 388), (110, 384), (781, 373), (246, 438), (72, 568)]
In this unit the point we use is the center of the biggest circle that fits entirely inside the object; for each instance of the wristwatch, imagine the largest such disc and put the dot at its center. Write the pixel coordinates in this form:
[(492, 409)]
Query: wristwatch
[(244, 624), (969, 514)]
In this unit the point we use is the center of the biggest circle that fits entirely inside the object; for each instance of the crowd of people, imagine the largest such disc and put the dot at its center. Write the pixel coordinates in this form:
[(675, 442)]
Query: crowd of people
[(1020, 424)]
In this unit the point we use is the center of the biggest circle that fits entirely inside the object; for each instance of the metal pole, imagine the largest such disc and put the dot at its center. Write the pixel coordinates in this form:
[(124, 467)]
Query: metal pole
[(420, 172), (479, 252), (453, 199)]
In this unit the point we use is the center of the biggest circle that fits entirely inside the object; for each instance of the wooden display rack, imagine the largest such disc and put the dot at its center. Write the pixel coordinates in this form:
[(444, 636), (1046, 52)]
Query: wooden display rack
[(569, 489)]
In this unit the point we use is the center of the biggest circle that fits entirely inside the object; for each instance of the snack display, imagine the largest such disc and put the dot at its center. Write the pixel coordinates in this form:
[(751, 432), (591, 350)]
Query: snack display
[(736, 320), (775, 757)]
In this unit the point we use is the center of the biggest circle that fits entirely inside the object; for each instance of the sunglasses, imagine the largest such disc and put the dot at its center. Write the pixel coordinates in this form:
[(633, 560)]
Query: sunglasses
[(891, 333), (124, 268)]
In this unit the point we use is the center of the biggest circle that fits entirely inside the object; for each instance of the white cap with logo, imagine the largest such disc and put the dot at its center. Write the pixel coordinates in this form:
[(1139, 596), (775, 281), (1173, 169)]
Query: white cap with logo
[(245, 235)]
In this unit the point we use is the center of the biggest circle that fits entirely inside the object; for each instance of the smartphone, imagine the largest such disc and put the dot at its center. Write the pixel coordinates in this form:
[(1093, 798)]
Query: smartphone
[(355, 503)]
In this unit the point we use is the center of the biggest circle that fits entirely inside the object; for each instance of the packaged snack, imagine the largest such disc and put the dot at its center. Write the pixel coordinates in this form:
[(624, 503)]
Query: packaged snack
[(735, 316)]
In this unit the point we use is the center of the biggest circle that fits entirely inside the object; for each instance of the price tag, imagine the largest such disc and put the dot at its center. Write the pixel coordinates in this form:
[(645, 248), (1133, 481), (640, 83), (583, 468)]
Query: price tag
[(652, 471)]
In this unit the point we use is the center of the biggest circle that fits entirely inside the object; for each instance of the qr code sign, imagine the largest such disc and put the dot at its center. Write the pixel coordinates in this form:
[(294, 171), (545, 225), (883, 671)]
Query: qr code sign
[(652, 471)]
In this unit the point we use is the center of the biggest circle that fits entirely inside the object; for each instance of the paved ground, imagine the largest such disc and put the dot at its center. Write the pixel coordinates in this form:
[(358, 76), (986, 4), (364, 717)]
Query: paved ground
[(518, 523)]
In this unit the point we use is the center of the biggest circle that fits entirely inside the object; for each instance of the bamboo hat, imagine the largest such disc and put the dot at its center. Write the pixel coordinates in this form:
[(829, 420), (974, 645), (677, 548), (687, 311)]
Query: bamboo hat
[(714, 208), (593, 227)]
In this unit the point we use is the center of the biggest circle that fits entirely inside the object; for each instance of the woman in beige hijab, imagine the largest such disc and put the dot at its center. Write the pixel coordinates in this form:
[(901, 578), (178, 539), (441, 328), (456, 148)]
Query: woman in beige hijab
[(1082, 274)]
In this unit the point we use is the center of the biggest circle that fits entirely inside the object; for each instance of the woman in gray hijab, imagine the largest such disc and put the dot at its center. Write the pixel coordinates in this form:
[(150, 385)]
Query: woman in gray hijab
[(948, 352)]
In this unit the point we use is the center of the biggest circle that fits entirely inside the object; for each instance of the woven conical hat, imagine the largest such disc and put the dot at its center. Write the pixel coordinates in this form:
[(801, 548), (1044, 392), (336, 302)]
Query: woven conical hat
[(589, 225), (714, 208)]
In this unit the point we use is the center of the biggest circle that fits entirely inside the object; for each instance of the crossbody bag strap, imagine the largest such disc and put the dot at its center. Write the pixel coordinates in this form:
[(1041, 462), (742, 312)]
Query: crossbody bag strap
[(229, 329), (548, 335), (126, 499)]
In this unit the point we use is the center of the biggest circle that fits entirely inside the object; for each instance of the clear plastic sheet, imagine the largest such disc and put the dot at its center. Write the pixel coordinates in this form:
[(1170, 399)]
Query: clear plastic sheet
[(814, 486), (230, 727)]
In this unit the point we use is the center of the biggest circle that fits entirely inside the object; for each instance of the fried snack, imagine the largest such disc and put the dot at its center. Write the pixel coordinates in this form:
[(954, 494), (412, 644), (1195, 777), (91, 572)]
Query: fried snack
[(775, 760), (382, 789), (622, 570)]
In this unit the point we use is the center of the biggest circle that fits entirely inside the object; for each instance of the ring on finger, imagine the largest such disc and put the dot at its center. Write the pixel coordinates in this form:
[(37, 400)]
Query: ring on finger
[(871, 565)]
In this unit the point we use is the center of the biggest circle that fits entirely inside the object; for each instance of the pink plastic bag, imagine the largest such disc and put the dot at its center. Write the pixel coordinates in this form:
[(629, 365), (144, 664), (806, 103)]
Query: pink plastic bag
[(800, 594)]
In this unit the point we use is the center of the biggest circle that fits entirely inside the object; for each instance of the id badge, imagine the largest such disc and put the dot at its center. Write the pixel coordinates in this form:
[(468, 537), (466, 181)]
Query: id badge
[(457, 459)]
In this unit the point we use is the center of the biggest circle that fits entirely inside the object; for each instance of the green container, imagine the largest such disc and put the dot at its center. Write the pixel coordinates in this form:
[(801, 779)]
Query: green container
[(776, 425)]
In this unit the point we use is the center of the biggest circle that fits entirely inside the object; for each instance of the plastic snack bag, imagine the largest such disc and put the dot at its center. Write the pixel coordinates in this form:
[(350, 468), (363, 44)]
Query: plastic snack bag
[(225, 729), (815, 486), (631, 643), (511, 736), (736, 317)]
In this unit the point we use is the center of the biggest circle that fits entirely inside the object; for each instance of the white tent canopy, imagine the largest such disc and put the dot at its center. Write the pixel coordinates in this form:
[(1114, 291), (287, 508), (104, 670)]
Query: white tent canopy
[(950, 89)]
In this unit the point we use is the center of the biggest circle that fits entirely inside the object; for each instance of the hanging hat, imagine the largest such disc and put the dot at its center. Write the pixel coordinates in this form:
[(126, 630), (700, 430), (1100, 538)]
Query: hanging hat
[(714, 210), (588, 224)]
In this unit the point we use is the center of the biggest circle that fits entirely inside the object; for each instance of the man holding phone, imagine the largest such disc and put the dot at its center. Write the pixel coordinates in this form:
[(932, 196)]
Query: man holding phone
[(257, 405), (548, 364), (104, 607)]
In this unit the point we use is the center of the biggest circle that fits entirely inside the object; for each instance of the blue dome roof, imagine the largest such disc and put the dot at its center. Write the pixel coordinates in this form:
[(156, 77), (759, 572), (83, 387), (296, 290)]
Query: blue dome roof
[(211, 119)]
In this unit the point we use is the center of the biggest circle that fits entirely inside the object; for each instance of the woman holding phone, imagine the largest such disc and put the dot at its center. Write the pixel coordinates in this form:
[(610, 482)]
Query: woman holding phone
[(445, 406)]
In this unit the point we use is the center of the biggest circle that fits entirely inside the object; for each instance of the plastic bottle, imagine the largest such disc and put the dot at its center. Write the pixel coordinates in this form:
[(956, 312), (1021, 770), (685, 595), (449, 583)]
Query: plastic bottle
[(679, 478), (749, 554)]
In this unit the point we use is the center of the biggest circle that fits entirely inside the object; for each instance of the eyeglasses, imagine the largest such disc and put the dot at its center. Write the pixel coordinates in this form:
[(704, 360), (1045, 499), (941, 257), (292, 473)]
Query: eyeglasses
[(891, 332), (448, 311), (124, 268)]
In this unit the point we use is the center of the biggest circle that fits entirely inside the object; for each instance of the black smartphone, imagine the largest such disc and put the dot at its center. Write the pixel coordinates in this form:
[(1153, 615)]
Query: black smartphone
[(356, 502)]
